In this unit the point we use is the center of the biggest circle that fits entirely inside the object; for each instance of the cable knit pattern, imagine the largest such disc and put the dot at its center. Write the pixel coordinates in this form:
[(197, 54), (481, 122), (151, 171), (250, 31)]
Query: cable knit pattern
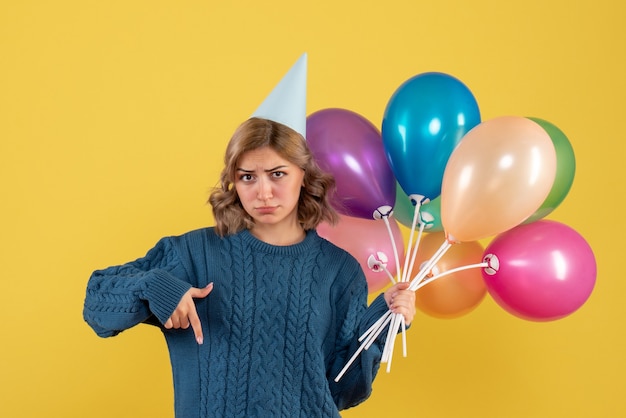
[(278, 326)]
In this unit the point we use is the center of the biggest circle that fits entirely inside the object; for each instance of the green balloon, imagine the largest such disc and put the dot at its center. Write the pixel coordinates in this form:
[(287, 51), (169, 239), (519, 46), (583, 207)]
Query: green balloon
[(430, 212), (403, 208), (565, 170)]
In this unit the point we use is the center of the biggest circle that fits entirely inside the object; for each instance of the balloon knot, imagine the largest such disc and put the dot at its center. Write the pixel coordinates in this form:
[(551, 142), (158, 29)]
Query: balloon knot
[(383, 212), (493, 264)]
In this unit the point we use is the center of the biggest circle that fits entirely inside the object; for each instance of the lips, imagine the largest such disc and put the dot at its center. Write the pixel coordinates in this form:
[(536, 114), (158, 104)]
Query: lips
[(266, 209)]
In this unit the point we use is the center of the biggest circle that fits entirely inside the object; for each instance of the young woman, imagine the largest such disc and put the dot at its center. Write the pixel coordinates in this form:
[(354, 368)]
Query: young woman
[(260, 314)]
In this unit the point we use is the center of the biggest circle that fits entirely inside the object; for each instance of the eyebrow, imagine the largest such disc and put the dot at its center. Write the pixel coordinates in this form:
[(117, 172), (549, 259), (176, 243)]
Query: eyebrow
[(269, 170)]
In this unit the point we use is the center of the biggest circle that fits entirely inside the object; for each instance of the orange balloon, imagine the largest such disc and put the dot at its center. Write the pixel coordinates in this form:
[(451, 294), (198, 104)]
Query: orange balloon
[(456, 294), (500, 174)]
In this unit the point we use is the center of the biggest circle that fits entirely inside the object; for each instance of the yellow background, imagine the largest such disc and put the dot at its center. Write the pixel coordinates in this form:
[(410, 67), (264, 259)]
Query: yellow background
[(113, 120)]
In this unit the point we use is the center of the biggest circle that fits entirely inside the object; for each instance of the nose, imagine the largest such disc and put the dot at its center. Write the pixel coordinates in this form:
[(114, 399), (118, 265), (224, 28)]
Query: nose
[(265, 189)]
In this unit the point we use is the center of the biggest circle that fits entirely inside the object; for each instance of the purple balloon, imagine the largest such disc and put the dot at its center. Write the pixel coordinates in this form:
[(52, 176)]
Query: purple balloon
[(541, 271), (350, 147)]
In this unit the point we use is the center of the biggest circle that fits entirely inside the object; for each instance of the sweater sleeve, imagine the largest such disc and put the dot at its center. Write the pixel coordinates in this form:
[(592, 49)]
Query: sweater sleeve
[(121, 297), (355, 386)]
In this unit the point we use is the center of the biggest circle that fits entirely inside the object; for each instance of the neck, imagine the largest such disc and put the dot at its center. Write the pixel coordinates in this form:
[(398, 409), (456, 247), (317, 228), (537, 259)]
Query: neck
[(279, 236)]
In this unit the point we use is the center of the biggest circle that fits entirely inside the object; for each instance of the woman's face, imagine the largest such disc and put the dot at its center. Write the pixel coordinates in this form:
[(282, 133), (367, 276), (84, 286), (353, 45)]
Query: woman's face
[(269, 187)]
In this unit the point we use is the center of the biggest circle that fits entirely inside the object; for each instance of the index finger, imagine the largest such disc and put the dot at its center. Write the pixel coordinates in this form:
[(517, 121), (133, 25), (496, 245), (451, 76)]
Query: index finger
[(194, 320)]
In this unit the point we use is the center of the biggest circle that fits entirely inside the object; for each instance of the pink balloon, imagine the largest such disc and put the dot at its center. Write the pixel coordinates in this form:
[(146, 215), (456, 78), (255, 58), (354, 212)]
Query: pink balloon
[(350, 147), (541, 271), (498, 176), (364, 238)]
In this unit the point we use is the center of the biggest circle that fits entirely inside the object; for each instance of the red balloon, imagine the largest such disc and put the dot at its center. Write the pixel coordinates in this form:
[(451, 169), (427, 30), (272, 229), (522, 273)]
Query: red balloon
[(364, 239)]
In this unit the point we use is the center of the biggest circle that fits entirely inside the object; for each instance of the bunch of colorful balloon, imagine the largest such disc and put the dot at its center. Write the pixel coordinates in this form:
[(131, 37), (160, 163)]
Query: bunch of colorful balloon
[(435, 167)]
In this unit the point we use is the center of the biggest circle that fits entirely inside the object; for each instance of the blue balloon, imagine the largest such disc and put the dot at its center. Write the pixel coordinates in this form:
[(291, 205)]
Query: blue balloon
[(424, 121)]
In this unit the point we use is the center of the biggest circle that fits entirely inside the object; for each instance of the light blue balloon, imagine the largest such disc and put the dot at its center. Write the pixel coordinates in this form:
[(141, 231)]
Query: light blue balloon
[(424, 121)]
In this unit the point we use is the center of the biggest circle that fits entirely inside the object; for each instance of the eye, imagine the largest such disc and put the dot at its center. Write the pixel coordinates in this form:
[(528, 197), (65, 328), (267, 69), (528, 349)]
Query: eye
[(278, 174), (245, 177)]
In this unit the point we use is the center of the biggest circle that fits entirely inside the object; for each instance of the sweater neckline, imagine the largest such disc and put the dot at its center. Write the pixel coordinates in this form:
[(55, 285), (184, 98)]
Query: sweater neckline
[(301, 247)]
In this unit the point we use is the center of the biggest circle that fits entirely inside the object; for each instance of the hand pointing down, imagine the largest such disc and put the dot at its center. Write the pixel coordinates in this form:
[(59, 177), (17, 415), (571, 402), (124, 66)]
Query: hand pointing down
[(185, 313)]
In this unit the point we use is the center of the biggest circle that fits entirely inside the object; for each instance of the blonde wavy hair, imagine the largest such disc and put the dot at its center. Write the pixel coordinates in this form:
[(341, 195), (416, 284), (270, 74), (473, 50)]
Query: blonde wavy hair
[(314, 203)]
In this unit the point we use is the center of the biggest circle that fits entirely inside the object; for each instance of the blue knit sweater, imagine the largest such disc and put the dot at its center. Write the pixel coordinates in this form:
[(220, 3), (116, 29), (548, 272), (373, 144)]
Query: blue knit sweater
[(279, 325)]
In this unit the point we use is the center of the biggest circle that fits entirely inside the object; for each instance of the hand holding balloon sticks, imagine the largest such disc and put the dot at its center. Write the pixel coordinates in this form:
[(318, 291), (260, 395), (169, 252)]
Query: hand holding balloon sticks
[(395, 321)]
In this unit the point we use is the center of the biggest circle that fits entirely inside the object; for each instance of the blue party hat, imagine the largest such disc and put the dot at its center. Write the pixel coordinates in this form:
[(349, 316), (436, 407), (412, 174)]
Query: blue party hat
[(286, 104)]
